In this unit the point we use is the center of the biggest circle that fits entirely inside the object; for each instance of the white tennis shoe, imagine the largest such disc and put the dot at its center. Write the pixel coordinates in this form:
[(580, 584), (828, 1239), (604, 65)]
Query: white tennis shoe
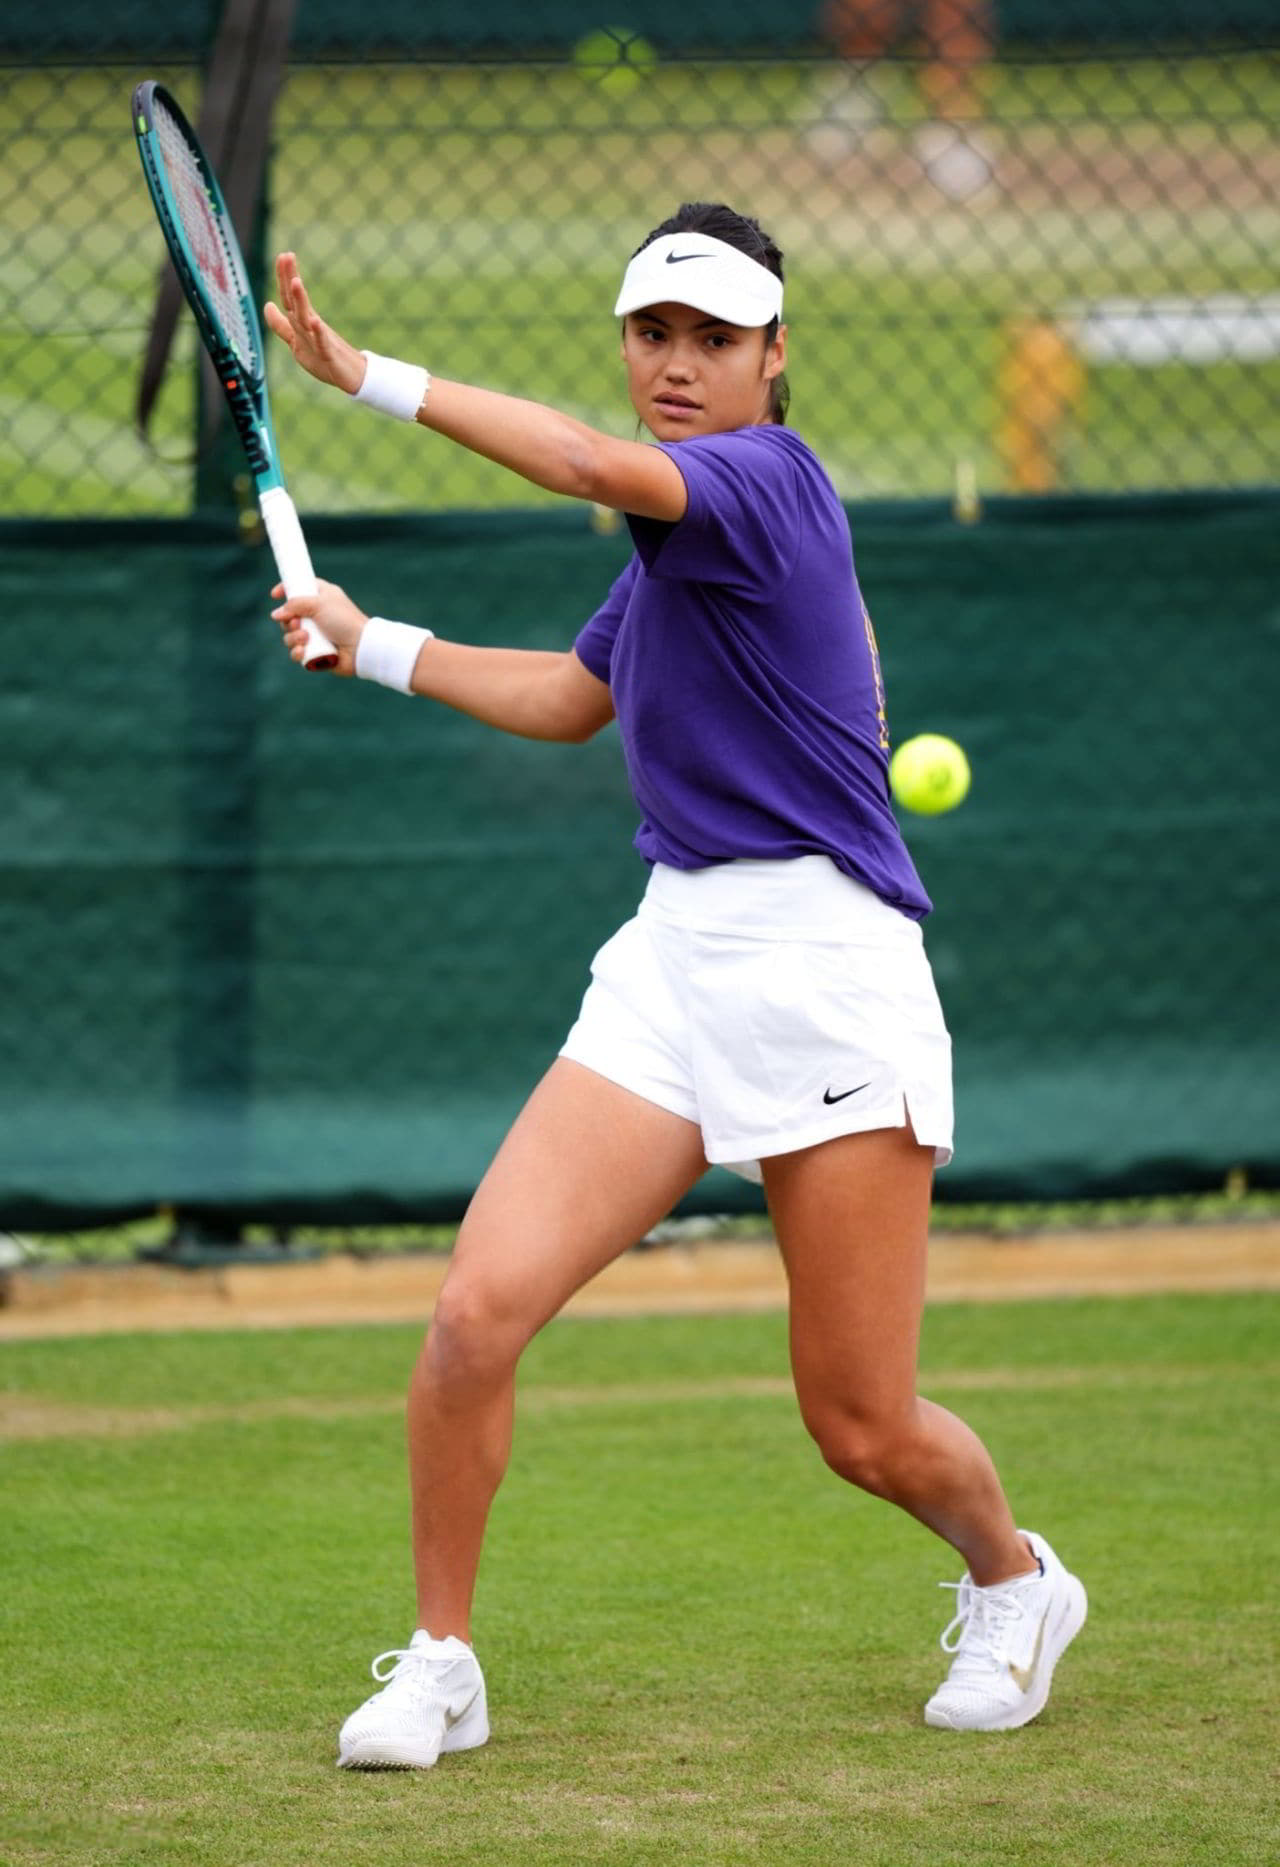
[(432, 1700), (1007, 1639)]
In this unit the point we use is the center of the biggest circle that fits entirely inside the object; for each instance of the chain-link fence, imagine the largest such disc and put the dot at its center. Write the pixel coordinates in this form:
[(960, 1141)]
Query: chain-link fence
[(1033, 244), (273, 949)]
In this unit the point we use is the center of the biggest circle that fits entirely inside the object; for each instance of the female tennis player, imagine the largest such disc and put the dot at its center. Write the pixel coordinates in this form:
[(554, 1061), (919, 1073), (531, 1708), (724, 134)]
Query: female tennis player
[(770, 1007)]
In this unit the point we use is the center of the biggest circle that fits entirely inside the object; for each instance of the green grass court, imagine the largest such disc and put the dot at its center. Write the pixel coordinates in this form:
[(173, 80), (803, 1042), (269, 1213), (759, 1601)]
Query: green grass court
[(700, 1646), (478, 217)]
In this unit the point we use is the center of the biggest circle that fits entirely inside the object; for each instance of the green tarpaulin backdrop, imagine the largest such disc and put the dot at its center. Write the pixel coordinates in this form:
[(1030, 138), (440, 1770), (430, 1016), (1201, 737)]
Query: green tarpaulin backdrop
[(286, 946)]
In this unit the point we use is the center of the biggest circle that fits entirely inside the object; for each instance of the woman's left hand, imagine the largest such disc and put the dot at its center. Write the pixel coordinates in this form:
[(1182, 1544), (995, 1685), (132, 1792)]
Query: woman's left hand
[(321, 351)]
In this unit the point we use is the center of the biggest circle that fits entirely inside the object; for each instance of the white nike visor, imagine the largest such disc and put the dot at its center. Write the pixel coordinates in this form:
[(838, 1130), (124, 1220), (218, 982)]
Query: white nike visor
[(711, 276)]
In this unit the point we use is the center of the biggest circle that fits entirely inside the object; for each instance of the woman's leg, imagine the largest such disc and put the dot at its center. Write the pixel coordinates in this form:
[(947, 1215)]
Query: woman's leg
[(852, 1217), (852, 1222), (587, 1169)]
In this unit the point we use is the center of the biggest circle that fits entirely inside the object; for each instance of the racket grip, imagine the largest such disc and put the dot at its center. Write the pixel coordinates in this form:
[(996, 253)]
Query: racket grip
[(293, 561)]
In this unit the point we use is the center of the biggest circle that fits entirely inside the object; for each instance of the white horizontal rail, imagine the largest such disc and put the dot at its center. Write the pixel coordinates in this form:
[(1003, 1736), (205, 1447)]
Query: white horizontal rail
[(1226, 327)]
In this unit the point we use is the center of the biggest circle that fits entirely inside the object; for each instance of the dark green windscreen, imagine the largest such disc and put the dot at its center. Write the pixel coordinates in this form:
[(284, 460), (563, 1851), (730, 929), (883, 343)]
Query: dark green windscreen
[(287, 945)]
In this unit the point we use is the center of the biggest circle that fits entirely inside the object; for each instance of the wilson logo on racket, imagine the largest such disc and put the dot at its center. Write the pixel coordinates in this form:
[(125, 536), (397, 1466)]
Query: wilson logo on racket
[(206, 249)]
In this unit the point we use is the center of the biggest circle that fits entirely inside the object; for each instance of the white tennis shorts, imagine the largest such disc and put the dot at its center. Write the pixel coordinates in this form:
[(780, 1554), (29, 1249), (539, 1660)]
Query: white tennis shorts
[(774, 1004)]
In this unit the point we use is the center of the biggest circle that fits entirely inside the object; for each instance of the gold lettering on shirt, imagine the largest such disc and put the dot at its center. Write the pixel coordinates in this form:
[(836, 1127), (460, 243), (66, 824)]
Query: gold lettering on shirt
[(882, 714)]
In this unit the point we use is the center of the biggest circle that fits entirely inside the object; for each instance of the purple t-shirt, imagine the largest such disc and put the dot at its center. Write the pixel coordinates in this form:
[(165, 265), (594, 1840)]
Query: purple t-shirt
[(744, 672)]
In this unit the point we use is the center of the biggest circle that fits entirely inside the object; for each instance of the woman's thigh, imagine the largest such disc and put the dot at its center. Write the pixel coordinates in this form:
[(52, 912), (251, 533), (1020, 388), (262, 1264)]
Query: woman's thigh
[(587, 1169), (852, 1219)]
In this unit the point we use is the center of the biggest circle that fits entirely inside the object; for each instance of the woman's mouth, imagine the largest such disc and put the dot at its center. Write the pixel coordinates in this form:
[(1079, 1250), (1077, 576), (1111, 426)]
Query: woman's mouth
[(676, 405)]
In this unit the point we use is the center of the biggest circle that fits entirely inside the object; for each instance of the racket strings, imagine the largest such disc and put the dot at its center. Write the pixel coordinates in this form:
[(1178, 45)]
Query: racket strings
[(217, 260)]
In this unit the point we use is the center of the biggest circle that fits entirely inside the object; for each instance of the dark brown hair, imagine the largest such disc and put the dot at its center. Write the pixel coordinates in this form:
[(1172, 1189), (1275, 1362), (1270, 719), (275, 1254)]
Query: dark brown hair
[(722, 223)]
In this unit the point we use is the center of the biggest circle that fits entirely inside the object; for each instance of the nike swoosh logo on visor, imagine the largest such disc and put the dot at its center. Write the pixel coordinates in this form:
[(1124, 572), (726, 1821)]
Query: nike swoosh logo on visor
[(678, 259)]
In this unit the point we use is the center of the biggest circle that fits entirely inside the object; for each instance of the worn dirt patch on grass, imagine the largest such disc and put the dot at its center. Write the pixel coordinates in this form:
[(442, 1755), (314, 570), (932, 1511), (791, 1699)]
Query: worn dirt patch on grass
[(704, 1277)]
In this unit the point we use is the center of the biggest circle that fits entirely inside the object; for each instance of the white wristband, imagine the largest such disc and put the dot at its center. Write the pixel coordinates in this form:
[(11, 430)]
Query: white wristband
[(392, 387), (387, 652)]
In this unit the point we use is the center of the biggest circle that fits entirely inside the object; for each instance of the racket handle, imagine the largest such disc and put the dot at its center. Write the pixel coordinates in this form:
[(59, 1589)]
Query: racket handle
[(293, 561)]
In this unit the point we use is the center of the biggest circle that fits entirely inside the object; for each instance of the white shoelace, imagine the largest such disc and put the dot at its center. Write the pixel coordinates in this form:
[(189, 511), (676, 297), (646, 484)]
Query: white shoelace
[(413, 1669), (977, 1633)]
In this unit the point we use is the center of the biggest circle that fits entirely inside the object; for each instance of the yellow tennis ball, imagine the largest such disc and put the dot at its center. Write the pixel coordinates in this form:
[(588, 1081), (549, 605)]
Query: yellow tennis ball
[(614, 58), (929, 774)]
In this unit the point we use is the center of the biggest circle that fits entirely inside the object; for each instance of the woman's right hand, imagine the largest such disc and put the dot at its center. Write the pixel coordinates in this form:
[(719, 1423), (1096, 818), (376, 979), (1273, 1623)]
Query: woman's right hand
[(315, 344), (332, 609)]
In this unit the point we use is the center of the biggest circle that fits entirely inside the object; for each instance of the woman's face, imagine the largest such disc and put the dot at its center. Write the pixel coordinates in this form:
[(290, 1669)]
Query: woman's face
[(691, 374)]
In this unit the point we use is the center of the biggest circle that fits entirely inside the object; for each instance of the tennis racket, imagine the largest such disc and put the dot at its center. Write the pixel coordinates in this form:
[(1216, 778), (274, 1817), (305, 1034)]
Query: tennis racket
[(207, 259)]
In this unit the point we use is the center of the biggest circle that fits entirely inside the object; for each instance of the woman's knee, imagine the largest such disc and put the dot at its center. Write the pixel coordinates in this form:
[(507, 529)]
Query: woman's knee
[(477, 1334), (867, 1450)]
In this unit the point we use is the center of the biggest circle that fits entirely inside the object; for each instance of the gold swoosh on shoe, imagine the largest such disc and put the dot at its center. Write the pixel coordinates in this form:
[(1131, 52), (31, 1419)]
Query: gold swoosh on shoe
[(1023, 1675), (455, 1717)]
